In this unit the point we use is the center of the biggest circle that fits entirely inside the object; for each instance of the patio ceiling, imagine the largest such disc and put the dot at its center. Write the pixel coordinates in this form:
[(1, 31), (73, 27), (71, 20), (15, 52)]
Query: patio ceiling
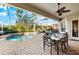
[(35, 9), (52, 7)]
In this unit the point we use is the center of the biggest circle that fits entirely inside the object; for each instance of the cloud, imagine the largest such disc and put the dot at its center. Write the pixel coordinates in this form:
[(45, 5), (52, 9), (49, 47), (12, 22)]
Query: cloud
[(3, 13), (4, 6), (14, 12)]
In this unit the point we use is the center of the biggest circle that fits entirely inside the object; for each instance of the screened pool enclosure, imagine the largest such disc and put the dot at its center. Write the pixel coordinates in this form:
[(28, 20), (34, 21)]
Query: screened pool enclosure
[(15, 20)]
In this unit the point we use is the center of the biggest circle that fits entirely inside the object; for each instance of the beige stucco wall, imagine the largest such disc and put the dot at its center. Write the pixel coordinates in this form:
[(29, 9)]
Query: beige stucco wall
[(68, 22)]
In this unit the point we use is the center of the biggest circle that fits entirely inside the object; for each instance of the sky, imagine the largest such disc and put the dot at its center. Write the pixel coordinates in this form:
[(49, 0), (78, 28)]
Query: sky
[(4, 17), (45, 21), (5, 20)]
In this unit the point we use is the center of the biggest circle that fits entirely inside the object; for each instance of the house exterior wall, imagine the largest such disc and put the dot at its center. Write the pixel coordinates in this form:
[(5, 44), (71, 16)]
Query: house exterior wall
[(68, 22)]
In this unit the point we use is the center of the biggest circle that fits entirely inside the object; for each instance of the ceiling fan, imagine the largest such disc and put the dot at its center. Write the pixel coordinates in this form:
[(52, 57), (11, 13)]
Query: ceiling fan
[(61, 10)]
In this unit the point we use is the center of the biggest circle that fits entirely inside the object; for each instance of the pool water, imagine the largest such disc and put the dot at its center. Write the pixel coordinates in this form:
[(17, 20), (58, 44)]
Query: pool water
[(18, 37)]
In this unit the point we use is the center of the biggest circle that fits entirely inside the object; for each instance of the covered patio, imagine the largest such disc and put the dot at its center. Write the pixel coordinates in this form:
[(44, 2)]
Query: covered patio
[(49, 10), (68, 22)]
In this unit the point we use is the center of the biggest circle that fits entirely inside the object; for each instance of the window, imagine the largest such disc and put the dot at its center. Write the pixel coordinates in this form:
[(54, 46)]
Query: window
[(63, 26)]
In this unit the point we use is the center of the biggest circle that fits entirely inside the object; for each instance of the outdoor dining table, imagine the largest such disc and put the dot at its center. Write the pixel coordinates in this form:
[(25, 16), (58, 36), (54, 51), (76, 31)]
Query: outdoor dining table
[(57, 38)]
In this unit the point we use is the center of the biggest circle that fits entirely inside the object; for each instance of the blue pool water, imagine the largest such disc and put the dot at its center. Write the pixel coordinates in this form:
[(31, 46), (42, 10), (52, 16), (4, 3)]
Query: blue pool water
[(19, 37)]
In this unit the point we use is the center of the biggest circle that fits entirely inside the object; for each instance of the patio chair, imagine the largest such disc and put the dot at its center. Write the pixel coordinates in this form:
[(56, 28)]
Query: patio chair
[(47, 41), (64, 42)]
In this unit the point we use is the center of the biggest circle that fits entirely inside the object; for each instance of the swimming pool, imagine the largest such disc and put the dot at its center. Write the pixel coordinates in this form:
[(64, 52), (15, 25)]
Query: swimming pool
[(18, 37)]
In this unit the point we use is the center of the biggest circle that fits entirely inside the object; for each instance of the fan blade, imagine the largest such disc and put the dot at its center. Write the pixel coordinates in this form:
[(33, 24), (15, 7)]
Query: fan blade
[(62, 9), (59, 14), (66, 11)]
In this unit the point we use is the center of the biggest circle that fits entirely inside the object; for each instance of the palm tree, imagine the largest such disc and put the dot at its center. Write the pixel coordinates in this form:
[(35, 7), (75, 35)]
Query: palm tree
[(25, 18)]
